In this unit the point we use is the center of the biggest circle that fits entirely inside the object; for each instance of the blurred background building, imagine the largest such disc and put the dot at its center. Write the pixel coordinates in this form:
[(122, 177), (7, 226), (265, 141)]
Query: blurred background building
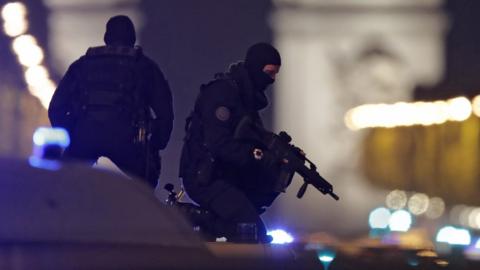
[(337, 55)]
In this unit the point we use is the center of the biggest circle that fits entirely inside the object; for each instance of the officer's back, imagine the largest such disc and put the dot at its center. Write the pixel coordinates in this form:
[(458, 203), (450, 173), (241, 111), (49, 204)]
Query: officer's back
[(107, 95)]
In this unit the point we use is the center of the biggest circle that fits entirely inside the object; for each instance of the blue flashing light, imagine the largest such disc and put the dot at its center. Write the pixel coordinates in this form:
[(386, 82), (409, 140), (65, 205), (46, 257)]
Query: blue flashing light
[(46, 164), (280, 237), (47, 136)]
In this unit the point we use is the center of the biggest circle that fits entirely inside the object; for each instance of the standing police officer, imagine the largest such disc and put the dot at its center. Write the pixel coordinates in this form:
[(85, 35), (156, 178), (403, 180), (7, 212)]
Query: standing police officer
[(115, 102), (221, 173)]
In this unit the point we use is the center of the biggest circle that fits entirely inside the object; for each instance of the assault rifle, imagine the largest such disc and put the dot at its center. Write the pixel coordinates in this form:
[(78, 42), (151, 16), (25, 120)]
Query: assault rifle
[(292, 157)]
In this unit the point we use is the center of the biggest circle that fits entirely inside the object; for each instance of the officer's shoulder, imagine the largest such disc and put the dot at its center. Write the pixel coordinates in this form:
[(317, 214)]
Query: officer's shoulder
[(149, 63), (124, 51), (76, 64), (220, 86)]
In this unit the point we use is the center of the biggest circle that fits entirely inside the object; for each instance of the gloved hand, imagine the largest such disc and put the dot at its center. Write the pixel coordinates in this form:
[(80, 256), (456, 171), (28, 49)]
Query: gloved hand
[(266, 158)]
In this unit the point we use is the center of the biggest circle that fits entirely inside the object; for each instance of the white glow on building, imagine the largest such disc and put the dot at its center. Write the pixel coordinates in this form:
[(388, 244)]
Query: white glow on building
[(13, 15), (379, 218), (408, 114), (400, 221)]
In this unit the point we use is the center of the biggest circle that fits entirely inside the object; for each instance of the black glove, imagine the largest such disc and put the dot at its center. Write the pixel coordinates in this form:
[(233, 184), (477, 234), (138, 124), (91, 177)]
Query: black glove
[(266, 158)]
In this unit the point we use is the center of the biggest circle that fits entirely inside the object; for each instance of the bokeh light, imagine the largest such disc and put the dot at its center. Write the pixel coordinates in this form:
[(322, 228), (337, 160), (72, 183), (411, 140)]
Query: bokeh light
[(476, 105), (280, 237), (379, 218), (436, 208), (453, 236), (408, 114), (396, 199), (459, 109), (29, 54), (418, 204), (14, 21), (400, 221)]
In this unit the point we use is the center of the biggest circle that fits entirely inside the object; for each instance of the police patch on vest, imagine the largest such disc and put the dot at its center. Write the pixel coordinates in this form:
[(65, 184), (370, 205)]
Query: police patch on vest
[(222, 113)]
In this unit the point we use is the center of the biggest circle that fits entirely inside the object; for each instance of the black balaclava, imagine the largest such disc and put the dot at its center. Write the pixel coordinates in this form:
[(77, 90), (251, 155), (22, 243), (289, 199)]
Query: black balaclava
[(259, 55), (120, 31)]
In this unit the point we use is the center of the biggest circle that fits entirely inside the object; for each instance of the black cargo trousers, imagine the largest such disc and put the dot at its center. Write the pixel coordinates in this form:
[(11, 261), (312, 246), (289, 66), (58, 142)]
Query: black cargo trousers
[(113, 138)]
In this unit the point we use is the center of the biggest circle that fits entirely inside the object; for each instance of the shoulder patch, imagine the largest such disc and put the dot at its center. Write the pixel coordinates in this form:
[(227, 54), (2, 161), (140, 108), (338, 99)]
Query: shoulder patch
[(222, 113)]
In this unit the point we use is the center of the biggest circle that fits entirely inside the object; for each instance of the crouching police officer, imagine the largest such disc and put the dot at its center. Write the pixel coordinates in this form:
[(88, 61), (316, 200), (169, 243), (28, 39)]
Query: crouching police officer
[(115, 102), (221, 173)]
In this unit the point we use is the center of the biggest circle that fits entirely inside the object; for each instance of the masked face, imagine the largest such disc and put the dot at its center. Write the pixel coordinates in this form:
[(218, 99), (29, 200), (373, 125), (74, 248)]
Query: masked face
[(263, 78), (271, 70), (262, 62)]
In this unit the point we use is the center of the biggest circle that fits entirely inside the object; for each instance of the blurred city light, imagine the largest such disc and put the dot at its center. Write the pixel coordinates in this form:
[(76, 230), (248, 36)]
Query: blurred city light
[(44, 92), (442, 263), (400, 221), (476, 105), (13, 15), (397, 199), (453, 236), (436, 208), (36, 74), (379, 218), (29, 53), (427, 254), (474, 218), (455, 211), (459, 109), (418, 204), (464, 218), (280, 237), (408, 114), (326, 257)]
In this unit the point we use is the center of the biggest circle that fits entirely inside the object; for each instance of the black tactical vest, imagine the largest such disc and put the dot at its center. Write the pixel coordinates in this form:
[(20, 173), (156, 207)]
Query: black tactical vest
[(110, 80)]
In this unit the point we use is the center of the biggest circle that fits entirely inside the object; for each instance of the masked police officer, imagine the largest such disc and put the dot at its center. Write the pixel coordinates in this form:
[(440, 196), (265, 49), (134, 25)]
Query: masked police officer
[(115, 102), (220, 172)]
